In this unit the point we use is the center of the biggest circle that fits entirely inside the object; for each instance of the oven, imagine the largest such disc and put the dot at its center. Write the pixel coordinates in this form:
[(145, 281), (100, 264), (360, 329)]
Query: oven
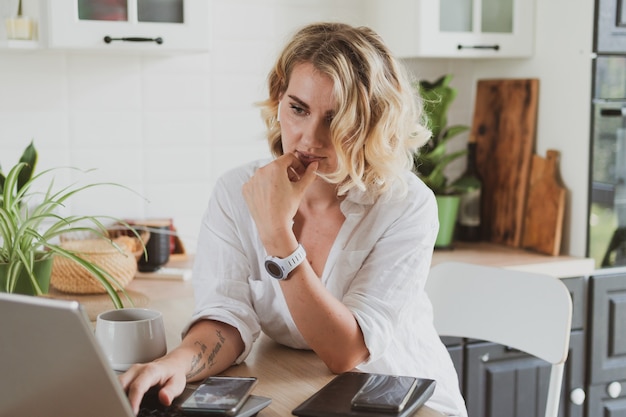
[(610, 33), (607, 221)]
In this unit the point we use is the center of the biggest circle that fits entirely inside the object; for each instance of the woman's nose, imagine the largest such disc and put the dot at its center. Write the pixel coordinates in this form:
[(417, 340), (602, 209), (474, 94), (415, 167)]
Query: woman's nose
[(316, 134)]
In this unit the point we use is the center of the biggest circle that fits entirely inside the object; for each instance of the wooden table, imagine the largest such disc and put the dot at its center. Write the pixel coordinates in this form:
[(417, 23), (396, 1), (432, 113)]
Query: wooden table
[(287, 376)]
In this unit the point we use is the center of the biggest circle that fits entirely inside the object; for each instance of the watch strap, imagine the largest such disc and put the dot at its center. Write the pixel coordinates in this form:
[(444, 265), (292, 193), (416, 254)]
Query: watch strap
[(280, 268)]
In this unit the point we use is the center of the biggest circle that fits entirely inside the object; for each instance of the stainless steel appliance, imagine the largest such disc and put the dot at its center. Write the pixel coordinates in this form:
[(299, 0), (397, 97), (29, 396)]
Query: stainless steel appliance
[(610, 35), (607, 207), (607, 222)]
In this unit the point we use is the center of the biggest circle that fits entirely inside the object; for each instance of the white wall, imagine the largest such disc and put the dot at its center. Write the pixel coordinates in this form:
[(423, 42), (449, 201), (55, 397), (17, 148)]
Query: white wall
[(169, 126)]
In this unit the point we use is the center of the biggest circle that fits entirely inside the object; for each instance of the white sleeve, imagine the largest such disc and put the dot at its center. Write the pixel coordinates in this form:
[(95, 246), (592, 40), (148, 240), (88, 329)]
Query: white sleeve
[(222, 267), (393, 274)]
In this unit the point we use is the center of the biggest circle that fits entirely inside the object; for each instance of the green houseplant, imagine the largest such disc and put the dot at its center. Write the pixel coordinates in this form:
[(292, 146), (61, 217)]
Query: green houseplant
[(29, 235), (432, 159)]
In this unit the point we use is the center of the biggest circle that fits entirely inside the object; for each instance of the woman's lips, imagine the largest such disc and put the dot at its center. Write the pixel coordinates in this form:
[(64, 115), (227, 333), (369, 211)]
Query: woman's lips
[(307, 159)]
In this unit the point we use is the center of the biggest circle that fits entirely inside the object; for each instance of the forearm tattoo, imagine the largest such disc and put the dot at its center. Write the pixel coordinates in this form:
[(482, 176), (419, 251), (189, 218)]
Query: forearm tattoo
[(198, 365)]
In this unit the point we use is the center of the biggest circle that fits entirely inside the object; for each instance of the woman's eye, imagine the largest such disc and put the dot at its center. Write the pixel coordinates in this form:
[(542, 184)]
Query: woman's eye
[(298, 110)]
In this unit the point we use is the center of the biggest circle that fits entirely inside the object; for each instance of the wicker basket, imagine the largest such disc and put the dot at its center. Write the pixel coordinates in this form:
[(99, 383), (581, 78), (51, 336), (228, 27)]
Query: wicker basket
[(70, 277), (135, 244)]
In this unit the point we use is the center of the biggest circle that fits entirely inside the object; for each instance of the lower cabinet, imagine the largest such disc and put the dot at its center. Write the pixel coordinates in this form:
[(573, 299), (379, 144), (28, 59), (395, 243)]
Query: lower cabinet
[(497, 381), (503, 382), (607, 345), (607, 400)]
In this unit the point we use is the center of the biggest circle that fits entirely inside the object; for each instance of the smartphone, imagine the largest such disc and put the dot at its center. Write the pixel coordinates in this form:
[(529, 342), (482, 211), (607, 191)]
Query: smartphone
[(220, 395), (385, 393)]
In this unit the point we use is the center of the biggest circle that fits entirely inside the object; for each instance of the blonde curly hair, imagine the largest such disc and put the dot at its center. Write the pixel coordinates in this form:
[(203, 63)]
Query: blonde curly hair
[(377, 125)]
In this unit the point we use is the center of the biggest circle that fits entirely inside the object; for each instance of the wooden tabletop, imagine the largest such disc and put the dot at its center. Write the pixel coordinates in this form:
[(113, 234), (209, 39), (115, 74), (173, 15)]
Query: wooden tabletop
[(290, 376), (287, 376)]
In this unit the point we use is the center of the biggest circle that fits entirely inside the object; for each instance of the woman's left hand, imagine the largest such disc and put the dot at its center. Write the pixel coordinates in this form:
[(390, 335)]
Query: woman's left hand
[(273, 195)]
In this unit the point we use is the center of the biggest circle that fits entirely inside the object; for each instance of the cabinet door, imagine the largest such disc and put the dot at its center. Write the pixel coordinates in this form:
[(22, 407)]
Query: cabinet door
[(607, 400), (148, 25), (456, 28), (504, 382), (573, 396), (607, 343)]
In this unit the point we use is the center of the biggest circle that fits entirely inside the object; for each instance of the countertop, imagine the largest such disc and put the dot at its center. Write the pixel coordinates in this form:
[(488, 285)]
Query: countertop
[(490, 254)]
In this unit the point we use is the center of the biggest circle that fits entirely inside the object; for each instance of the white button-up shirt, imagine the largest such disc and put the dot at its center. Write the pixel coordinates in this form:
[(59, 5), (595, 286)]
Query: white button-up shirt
[(377, 267)]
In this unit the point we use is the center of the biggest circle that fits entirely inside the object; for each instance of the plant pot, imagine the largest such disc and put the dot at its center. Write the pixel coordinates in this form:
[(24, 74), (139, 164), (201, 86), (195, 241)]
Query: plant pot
[(41, 269), (447, 210)]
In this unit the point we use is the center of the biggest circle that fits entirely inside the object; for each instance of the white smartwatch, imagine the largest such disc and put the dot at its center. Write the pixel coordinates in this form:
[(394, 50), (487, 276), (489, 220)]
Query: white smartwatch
[(280, 268)]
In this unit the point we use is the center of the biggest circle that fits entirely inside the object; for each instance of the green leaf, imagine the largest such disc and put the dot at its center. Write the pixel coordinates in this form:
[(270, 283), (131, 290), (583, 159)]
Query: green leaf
[(29, 157)]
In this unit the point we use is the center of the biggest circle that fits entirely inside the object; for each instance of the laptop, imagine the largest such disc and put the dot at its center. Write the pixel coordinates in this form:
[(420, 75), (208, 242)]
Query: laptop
[(51, 364)]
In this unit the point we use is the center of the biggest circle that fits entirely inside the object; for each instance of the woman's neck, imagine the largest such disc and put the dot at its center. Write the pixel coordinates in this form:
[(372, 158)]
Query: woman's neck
[(321, 195)]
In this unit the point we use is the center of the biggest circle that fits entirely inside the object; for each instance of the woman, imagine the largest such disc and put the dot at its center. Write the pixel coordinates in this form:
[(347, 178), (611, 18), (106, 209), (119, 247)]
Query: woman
[(328, 246)]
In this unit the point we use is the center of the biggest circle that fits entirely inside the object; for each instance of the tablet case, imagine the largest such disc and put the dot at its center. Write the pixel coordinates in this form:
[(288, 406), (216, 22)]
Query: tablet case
[(333, 400)]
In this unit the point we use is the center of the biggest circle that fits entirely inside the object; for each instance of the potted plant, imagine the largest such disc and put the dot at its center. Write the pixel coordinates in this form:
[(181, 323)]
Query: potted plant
[(432, 159), (30, 233)]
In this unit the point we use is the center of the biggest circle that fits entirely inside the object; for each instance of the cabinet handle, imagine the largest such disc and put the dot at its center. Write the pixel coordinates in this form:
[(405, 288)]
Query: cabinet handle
[(577, 396), (108, 39), (613, 112), (494, 47)]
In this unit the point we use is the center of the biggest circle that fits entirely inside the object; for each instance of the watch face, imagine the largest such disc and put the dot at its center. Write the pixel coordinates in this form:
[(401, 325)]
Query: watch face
[(273, 269)]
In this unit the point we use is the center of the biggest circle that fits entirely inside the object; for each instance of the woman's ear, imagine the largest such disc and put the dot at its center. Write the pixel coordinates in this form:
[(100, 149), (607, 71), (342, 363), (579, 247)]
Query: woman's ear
[(278, 112)]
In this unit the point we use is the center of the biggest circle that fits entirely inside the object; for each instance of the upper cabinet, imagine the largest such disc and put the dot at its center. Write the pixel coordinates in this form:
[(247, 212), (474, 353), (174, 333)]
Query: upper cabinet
[(455, 28), (117, 25), (163, 25)]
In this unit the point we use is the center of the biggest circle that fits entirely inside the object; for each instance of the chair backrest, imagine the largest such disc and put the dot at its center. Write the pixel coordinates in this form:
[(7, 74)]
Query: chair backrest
[(526, 311)]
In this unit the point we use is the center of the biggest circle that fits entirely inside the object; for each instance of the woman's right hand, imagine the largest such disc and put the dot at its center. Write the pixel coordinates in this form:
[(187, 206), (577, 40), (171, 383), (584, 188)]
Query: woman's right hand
[(273, 195), (162, 373), (209, 347)]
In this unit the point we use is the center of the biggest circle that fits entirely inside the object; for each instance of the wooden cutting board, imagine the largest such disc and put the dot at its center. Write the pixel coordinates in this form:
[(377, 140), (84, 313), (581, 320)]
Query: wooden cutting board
[(545, 205), (503, 128)]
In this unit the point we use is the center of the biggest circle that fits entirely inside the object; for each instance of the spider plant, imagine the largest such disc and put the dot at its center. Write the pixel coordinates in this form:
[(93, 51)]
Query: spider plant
[(32, 233)]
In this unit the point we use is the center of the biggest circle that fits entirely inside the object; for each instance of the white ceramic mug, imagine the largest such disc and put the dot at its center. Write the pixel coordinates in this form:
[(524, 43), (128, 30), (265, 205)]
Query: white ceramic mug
[(131, 335)]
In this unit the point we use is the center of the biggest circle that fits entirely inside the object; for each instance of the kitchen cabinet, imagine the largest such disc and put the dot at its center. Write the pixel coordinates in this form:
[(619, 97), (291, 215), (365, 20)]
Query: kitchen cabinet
[(504, 382), (455, 28), (134, 25), (607, 343), (499, 381), (607, 400)]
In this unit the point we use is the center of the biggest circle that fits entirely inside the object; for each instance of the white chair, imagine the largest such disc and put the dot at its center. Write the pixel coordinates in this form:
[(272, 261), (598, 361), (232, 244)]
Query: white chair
[(526, 311)]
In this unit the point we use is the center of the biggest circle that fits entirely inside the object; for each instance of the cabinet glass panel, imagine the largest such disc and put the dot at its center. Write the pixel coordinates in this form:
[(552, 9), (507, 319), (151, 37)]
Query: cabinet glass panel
[(165, 11), (111, 10), (497, 16), (455, 15)]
